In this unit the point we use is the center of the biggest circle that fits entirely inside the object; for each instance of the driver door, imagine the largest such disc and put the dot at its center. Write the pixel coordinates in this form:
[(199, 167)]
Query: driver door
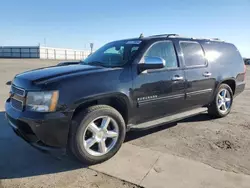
[(159, 92)]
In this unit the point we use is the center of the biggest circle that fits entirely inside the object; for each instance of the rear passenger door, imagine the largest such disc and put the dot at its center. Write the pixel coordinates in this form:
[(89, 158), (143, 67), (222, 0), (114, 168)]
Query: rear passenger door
[(199, 79)]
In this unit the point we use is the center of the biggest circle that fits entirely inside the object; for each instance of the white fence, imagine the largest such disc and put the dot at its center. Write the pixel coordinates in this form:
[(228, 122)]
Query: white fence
[(42, 52), (59, 53)]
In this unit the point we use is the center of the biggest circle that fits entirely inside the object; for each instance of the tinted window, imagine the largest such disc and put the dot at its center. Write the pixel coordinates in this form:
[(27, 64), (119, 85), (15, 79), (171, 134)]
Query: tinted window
[(193, 54), (166, 51)]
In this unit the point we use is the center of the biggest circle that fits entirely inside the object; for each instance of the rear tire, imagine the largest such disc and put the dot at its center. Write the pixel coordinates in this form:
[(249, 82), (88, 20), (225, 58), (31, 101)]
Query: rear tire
[(96, 134), (222, 103)]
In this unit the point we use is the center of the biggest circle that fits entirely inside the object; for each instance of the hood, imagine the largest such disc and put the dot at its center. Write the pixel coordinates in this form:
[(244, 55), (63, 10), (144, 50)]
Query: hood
[(43, 74)]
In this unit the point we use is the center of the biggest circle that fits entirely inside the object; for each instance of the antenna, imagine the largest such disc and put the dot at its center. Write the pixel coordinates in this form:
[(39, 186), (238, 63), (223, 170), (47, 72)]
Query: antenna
[(141, 36), (91, 47)]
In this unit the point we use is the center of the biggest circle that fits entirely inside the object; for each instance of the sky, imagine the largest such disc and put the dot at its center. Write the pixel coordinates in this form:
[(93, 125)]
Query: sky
[(76, 23)]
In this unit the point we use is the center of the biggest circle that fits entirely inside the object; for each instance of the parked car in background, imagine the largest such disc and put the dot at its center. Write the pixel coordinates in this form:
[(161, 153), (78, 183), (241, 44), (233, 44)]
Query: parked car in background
[(247, 61), (87, 107)]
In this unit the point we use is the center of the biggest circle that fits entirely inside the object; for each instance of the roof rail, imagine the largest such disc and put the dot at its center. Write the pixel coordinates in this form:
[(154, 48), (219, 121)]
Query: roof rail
[(194, 38), (216, 39), (210, 39), (164, 35)]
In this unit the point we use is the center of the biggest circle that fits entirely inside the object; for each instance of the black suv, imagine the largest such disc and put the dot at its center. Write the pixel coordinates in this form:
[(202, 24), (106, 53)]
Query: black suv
[(138, 83)]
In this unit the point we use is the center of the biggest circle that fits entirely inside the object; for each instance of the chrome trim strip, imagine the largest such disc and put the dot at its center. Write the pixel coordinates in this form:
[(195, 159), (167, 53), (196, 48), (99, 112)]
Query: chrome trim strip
[(143, 102), (160, 99), (18, 88), (16, 100), (199, 92), (12, 124)]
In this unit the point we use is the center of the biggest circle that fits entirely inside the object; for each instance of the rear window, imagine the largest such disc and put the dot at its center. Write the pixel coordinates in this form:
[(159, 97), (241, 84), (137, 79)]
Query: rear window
[(193, 54)]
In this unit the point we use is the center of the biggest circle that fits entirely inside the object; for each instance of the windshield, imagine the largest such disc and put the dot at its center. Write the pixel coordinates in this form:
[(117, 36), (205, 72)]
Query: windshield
[(114, 54)]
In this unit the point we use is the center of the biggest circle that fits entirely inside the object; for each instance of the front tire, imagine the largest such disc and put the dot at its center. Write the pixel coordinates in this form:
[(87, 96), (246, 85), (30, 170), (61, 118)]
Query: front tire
[(97, 134), (222, 103)]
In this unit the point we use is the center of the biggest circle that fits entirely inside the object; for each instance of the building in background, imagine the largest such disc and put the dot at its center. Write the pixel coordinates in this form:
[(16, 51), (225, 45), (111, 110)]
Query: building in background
[(40, 52)]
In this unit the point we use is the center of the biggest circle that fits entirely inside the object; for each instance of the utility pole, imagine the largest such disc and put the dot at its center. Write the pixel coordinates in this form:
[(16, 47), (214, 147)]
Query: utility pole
[(44, 40), (91, 47)]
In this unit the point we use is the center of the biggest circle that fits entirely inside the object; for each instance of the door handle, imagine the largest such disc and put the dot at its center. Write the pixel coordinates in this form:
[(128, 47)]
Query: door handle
[(177, 78), (207, 74)]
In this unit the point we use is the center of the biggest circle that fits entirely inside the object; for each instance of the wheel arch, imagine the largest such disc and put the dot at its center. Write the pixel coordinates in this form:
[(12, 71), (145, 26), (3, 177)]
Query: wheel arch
[(231, 82), (119, 101)]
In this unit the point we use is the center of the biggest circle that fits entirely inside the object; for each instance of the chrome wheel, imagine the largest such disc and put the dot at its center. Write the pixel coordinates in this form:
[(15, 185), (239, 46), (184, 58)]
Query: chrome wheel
[(100, 136), (224, 101)]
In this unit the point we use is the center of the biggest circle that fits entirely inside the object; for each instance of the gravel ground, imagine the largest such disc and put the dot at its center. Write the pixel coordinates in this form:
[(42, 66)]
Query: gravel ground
[(220, 143)]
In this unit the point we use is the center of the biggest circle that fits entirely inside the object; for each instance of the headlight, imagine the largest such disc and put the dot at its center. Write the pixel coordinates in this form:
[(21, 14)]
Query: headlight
[(42, 101)]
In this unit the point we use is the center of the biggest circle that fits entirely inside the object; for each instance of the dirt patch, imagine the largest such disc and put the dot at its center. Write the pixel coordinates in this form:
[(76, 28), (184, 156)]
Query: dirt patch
[(245, 125), (226, 145)]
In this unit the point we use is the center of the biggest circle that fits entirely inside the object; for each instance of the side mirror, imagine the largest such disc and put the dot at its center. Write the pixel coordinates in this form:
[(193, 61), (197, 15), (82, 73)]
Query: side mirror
[(8, 83), (151, 63)]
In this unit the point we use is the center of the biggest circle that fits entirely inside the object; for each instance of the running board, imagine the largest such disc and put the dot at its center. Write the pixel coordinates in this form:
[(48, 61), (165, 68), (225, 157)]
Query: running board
[(168, 119)]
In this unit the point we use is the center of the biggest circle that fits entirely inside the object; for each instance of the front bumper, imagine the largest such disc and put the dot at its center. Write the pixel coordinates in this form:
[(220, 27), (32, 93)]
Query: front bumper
[(43, 130)]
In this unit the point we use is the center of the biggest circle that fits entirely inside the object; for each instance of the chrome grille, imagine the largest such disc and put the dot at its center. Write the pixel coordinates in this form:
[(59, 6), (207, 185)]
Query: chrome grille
[(16, 104), (17, 91), (17, 98)]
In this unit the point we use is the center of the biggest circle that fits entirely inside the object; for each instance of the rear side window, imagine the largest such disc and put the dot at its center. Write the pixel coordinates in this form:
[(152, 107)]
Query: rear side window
[(166, 51), (193, 54)]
